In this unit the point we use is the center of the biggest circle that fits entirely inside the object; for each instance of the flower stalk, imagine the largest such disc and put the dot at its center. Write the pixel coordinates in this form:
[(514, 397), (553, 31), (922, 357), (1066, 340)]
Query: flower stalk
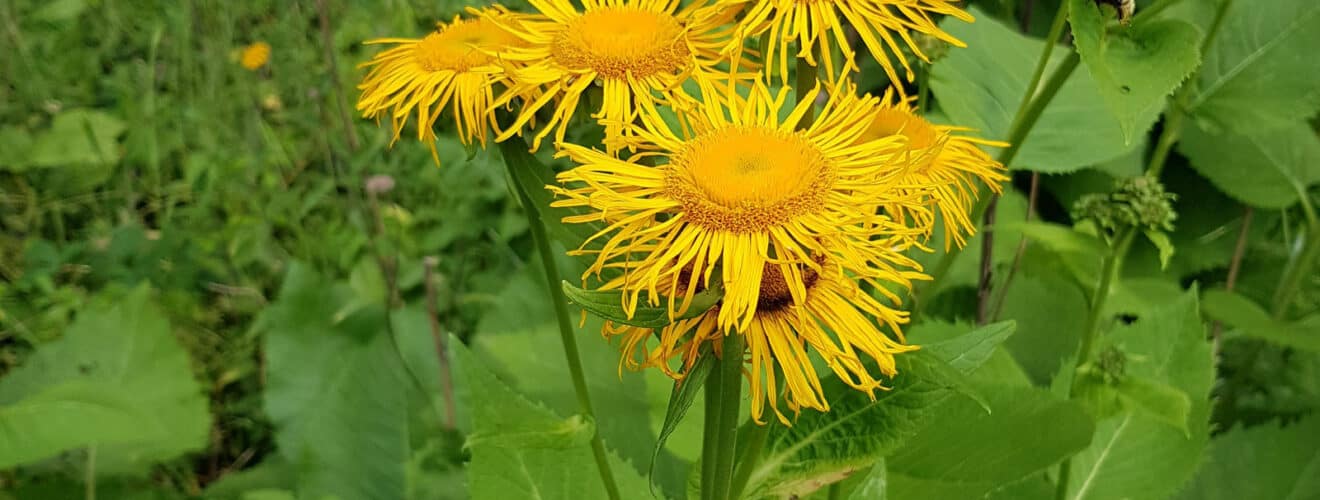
[(566, 333)]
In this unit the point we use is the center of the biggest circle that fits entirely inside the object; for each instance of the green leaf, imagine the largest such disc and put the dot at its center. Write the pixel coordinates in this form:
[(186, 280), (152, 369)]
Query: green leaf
[(531, 176), (981, 86), (1261, 462), (1269, 169), (334, 391), (1260, 72), (609, 305), (681, 398), (998, 366), (1134, 67), (1253, 321), (1157, 399), (1061, 239), (14, 144), (825, 447), (1161, 242), (529, 354), (1050, 311), (964, 452), (509, 469), (1136, 455), (117, 379), (78, 137), (968, 352)]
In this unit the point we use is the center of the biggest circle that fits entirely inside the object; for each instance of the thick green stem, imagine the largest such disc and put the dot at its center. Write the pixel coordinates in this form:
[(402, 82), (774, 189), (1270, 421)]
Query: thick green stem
[(751, 454), (567, 336), (923, 89), (1112, 267), (723, 399), (1052, 39)]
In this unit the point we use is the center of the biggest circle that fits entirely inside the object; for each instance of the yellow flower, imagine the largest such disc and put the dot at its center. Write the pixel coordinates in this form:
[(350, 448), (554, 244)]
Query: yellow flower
[(636, 50), (884, 26), (948, 168), (833, 320), (255, 56), (453, 67), (741, 189)]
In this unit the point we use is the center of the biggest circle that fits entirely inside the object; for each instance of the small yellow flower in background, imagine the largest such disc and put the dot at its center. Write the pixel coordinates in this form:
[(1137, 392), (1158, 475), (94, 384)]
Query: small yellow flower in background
[(817, 26), (638, 51), (949, 167), (742, 189), (454, 69), (255, 56), (833, 319)]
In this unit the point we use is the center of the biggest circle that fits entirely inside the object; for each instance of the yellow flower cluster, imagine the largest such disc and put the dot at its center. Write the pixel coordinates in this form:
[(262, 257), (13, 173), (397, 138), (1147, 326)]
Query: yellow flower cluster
[(799, 206)]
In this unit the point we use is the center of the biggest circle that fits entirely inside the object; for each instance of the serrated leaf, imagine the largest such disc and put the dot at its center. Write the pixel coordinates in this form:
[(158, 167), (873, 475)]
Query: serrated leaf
[(981, 86), (825, 447), (1138, 456), (1163, 244), (512, 471), (117, 379), (1252, 320), (1260, 72), (1264, 169), (1134, 67), (1266, 461), (609, 305), (963, 452), (334, 391), (681, 398)]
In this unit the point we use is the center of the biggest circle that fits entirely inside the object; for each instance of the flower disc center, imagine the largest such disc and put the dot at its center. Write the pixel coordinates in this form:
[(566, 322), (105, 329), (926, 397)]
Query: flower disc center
[(616, 41)]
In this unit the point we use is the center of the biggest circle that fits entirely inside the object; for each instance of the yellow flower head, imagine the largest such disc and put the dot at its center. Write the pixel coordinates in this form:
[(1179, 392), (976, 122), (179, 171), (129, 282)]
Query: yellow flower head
[(636, 50), (255, 56), (739, 189), (833, 319), (818, 28), (948, 168), (453, 67)]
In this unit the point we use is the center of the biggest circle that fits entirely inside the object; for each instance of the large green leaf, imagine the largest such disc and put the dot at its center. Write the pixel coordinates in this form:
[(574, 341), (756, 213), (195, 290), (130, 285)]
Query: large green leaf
[(1260, 72), (1134, 67), (1251, 320), (1261, 462), (514, 467), (820, 448), (981, 86), (1135, 454), (118, 380), (964, 452), (334, 391), (1049, 311), (78, 137), (1265, 169)]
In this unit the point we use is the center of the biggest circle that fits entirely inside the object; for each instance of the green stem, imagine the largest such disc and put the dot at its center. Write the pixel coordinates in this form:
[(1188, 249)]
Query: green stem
[(1112, 267), (724, 389), (89, 474), (1016, 136), (1052, 39), (751, 454), (923, 89), (566, 335), (1298, 269), (1178, 105)]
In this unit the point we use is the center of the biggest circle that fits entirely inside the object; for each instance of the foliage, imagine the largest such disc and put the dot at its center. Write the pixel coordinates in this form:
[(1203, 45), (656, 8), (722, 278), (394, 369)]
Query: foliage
[(201, 298)]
